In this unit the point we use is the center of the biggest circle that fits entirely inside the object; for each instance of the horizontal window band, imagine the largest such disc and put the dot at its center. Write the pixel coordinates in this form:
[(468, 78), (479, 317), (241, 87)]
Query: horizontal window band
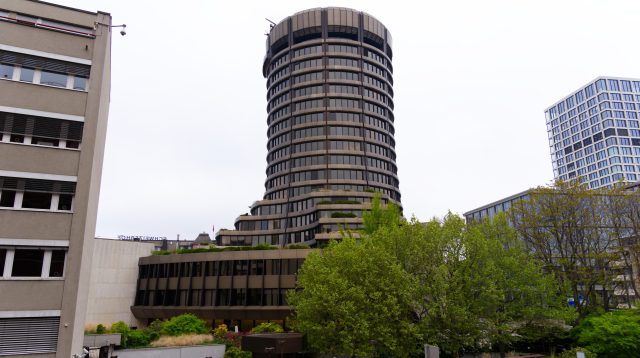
[(26, 314), (33, 242), (33, 112), (54, 56), (42, 176)]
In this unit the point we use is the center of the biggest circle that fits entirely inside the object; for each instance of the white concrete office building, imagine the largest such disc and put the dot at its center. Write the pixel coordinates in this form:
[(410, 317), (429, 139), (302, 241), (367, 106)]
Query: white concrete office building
[(594, 133)]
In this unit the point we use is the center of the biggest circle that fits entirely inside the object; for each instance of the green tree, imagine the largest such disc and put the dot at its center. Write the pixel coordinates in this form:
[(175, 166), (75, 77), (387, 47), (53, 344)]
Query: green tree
[(475, 284), (612, 334), (354, 299), (575, 233)]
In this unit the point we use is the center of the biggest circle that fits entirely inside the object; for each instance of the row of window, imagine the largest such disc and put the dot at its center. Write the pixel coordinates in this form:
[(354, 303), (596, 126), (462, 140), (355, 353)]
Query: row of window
[(213, 298), (31, 262), (330, 48), (332, 159), (339, 75), (19, 128), (302, 190), (333, 89), (332, 131), (331, 174), (43, 77), (273, 239), (257, 267), (332, 145), (19, 193), (590, 91), (582, 112), (301, 205)]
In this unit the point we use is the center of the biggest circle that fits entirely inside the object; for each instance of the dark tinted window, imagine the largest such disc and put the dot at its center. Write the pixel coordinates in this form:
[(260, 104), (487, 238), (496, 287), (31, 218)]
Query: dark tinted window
[(7, 198), (33, 200), (3, 254), (27, 263), (56, 269)]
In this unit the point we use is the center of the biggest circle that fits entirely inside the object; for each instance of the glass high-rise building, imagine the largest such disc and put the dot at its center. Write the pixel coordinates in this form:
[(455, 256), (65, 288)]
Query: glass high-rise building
[(330, 128), (594, 133)]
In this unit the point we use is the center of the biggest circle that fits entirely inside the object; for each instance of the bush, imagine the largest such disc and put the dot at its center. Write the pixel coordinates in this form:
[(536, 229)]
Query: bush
[(123, 329), (235, 352), (613, 334), (571, 353), (137, 338), (154, 329), (267, 327), (101, 329), (220, 330), (184, 324)]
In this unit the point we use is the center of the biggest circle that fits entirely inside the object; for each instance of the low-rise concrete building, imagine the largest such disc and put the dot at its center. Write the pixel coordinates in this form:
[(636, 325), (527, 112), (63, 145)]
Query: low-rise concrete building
[(114, 274)]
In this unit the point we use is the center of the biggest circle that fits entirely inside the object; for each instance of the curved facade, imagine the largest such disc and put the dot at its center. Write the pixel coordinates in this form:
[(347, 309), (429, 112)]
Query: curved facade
[(331, 128)]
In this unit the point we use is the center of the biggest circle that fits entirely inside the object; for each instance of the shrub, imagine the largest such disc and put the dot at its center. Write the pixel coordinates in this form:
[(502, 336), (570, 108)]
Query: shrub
[(137, 338), (184, 340), (154, 329), (220, 330), (572, 353), (235, 352), (184, 324), (123, 329), (101, 329), (297, 246), (267, 327), (613, 334)]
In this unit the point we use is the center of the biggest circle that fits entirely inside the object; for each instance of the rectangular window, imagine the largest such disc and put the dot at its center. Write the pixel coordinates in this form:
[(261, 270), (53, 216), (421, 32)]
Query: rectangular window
[(56, 268), (27, 263), (64, 202), (36, 200), (6, 71), (7, 198), (53, 79), (26, 74), (3, 255)]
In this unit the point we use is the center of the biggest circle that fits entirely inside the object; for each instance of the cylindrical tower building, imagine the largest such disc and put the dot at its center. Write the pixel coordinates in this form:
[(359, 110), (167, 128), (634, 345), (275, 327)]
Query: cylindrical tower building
[(330, 128)]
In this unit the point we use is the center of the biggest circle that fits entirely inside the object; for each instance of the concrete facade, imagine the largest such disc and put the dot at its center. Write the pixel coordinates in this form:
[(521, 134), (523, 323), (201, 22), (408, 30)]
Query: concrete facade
[(331, 129), (114, 275), (54, 103)]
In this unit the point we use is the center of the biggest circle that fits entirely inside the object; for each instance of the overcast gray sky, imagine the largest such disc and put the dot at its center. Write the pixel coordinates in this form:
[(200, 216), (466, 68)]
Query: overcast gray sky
[(186, 143)]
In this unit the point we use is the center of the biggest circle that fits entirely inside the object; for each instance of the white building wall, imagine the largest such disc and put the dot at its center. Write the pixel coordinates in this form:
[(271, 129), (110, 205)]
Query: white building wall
[(114, 274)]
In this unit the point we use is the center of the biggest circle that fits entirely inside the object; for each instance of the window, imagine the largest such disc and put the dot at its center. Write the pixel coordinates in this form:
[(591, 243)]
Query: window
[(80, 83), (6, 71), (27, 263), (3, 255), (56, 268), (53, 79), (26, 74), (7, 198), (36, 200)]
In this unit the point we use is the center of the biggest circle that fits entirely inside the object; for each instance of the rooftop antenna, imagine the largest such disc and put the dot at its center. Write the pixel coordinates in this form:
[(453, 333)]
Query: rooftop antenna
[(271, 23)]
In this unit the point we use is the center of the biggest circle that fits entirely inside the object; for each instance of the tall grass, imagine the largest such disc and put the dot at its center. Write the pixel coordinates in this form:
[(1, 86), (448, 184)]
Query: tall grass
[(186, 340)]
